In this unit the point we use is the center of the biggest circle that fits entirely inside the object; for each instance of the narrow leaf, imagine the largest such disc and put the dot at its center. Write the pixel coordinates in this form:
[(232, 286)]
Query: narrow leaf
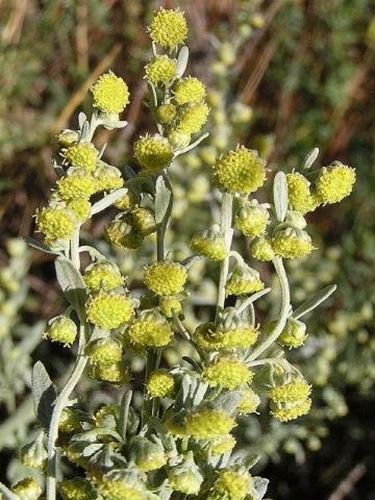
[(314, 301), (162, 199), (260, 486), (71, 283), (280, 195), (82, 118), (310, 158), (108, 200), (39, 246), (44, 393), (182, 61)]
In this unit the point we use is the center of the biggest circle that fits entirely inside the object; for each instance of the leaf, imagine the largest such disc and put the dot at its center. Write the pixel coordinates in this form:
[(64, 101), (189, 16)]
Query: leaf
[(44, 394), (314, 301), (280, 195), (260, 486), (182, 61), (108, 200), (82, 118), (39, 246), (71, 283), (229, 401), (310, 158), (162, 199)]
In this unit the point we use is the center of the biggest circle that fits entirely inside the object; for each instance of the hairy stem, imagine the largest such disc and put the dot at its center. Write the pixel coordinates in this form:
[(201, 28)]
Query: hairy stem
[(226, 228), (284, 311)]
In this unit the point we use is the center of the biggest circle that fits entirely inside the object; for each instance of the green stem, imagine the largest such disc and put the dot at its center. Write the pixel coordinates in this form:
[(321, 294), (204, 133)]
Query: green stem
[(284, 311), (226, 228), (124, 409)]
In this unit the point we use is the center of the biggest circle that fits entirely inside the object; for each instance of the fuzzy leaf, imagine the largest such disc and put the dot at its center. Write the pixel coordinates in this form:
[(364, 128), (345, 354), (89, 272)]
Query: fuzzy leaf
[(82, 118), (39, 246), (108, 200), (260, 486), (182, 61), (162, 200), (310, 158), (280, 195), (314, 301), (44, 394), (229, 401), (71, 283)]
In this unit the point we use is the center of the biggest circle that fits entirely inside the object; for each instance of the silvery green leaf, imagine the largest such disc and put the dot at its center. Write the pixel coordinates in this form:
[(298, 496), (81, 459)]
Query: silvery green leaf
[(182, 61), (71, 283), (39, 246), (251, 460), (189, 261), (82, 118), (91, 449), (260, 485), (44, 394), (280, 195), (314, 301), (310, 158), (229, 401), (162, 199), (108, 200), (199, 393)]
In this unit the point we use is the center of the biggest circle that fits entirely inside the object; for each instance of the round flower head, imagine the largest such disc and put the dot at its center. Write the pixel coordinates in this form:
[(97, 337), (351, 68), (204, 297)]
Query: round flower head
[(249, 402), (67, 138), (81, 209), (102, 276), (161, 69), (230, 485), (189, 90), (76, 489), (107, 416), (227, 373), (207, 423), (285, 412), (160, 384), (142, 220), (208, 336), (113, 374), (185, 477), (76, 186), (210, 244), (261, 249), (57, 224), (243, 281), (110, 94), (335, 183), (153, 153), (69, 421), (27, 489), (168, 28), (291, 243), (165, 278), (128, 202), (150, 330), (119, 234), (147, 455), (104, 352), (169, 305), (299, 195), (166, 113), (294, 334), (34, 454), (121, 488), (252, 219), (83, 155), (192, 118), (61, 329), (290, 392), (240, 171), (109, 310), (108, 178), (179, 139), (222, 445)]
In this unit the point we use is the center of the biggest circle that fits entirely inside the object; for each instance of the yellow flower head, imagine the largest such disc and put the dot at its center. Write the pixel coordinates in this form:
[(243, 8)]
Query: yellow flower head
[(110, 94), (56, 224), (168, 28), (291, 243), (78, 185), (169, 305), (113, 374), (186, 481), (109, 310), (243, 281), (147, 455), (27, 489), (82, 155), (61, 329), (105, 352), (261, 249), (299, 195), (153, 153), (103, 276), (285, 412), (290, 392), (76, 489), (166, 113), (142, 220), (127, 202), (192, 118), (161, 69), (210, 245), (81, 209), (252, 219), (207, 336), (228, 373), (294, 334), (189, 90), (222, 445), (335, 183), (207, 423), (231, 485), (240, 171), (165, 278), (179, 139), (150, 330), (69, 421), (160, 384), (108, 178), (113, 488), (249, 402)]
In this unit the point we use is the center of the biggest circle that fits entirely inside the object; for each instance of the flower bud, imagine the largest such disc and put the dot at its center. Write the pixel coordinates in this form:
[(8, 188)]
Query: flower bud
[(142, 220), (61, 329), (70, 421), (252, 219), (261, 249), (34, 454), (153, 153), (109, 310), (160, 384), (185, 477), (165, 278), (107, 178), (228, 373), (114, 374), (104, 352), (179, 139), (147, 455), (292, 243), (189, 90), (150, 329), (192, 118), (82, 155), (243, 281), (294, 334), (67, 138), (57, 224), (210, 244), (104, 276), (299, 195), (81, 209), (76, 489), (290, 400), (222, 445), (166, 113), (335, 183), (231, 484), (208, 423), (161, 69), (249, 402)]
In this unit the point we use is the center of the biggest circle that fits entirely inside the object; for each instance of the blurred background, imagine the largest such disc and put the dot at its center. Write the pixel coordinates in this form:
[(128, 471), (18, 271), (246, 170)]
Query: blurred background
[(283, 76)]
